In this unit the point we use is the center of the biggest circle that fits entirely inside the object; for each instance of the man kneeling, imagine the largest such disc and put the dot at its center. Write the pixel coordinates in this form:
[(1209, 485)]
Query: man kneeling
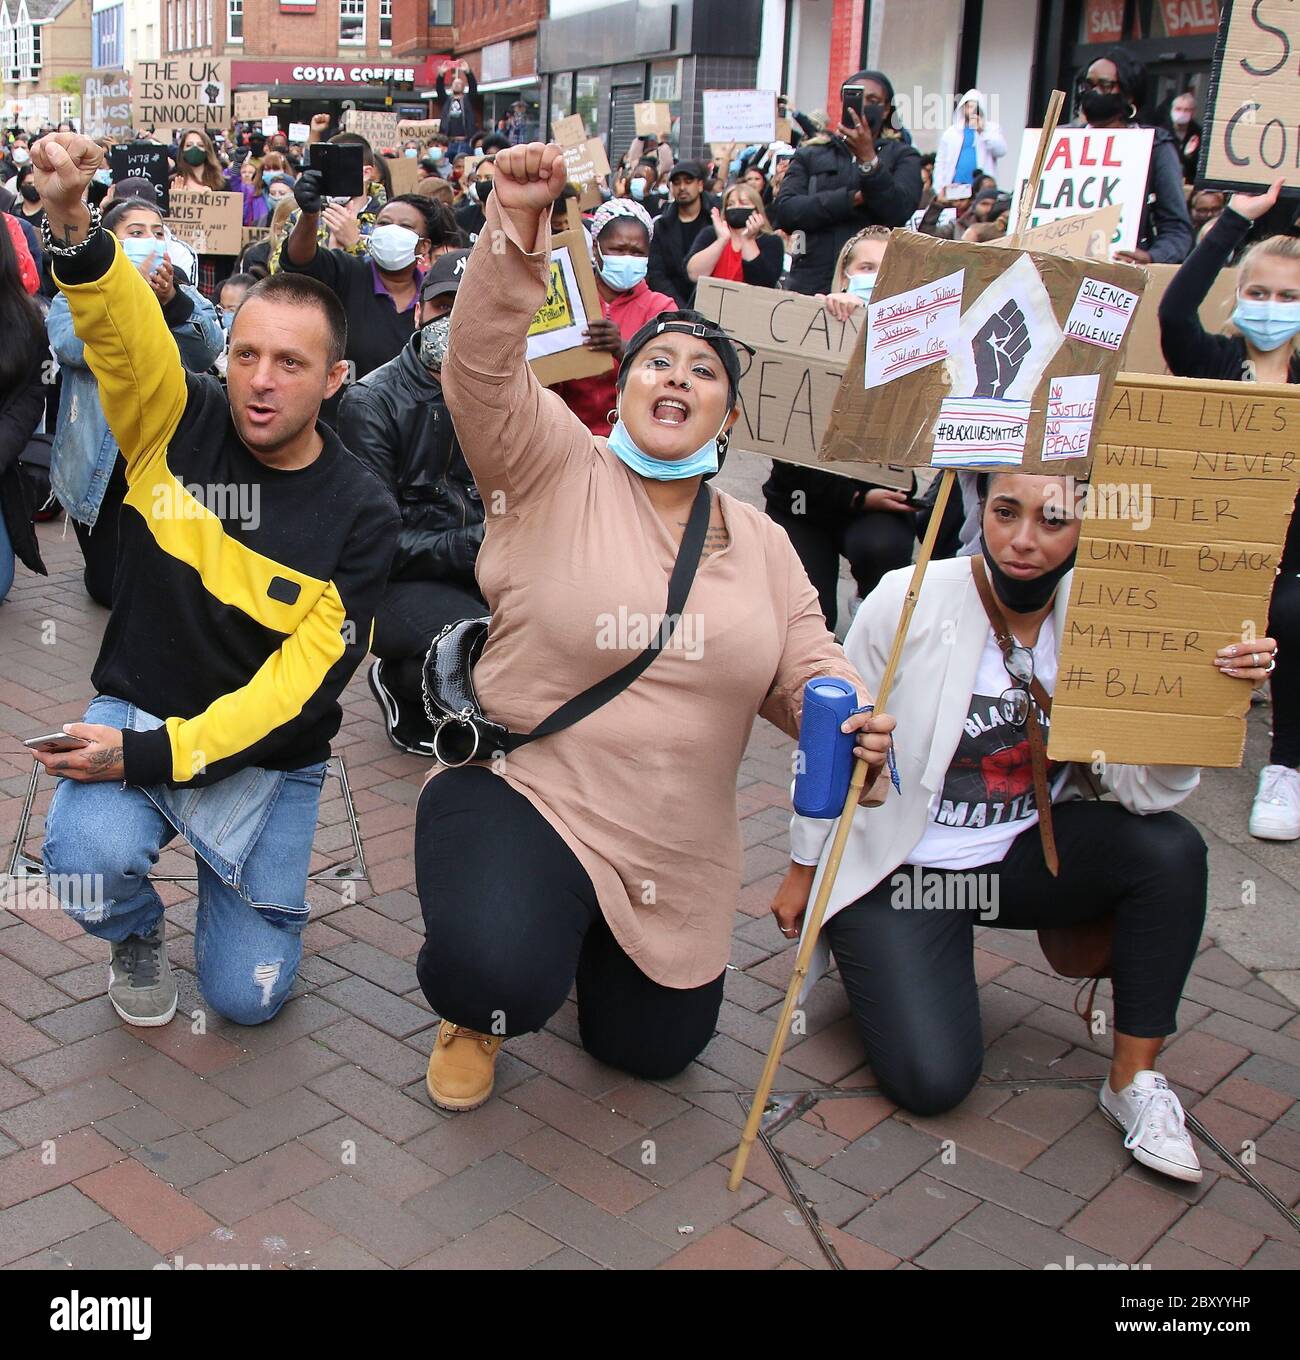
[(252, 550)]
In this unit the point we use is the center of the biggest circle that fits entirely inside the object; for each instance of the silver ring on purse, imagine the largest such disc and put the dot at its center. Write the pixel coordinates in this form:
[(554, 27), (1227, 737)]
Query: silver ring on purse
[(437, 736)]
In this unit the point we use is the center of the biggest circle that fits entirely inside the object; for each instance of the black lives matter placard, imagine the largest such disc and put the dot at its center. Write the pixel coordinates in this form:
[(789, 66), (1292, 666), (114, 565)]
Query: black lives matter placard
[(1187, 510)]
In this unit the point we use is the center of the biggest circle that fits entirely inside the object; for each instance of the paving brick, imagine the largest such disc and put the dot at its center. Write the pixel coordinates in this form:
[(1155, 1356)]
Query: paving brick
[(181, 1160), (1253, 1097), (1125, 1219), (340, 1254), (301, 1015), (1278, 1076), (567, 1063), (19, 1040), (35, 1170), (109, 1246), (355, 956), (503, 1243), (644, 1104), (25, 994), (830, 1055), (462, 1140), (202, 1054), (1215, 1233), (71, 1023), (374, 1222), (247, 1189), (375, 1103), (15, 1091), (971, 1126), (678, 1147), (831, 1200), (588, 1121), (462, 1202), (295, 1064), (1275, 1256), (1252, 1038), (601, 1237), (881, 1159), (1199, 1060), (1015, 1191), (193, 1101), (911, 1216), (371, 1159), (566, 1259), (1022, 1240), (378, 1053), (59, 1112), (45, 1219), (376, 1007), (1046, 1112), (146, 1205), (589, 1174), (277, 1120), (953, 1251), (37, 952), (1084, 1160), (141, 1123), (700, 1201), (101, 1053), (1023, 1051), (726, 1248), (782, 1226), (851, 1117)]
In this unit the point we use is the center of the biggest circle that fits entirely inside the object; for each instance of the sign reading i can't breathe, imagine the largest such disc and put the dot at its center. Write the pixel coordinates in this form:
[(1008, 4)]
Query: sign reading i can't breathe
[(1252, 122)]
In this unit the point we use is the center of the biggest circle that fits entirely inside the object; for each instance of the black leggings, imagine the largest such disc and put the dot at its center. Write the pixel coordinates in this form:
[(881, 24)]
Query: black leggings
[(874, 542), (910, 973), (408, 618), (511, 919), (1284, 627)]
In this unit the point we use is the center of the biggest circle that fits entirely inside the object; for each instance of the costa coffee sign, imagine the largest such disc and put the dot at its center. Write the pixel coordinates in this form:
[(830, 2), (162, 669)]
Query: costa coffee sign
[(330, 73)]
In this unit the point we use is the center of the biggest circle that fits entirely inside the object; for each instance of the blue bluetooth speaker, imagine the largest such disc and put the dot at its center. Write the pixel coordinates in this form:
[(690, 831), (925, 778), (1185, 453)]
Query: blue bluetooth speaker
[(826, 753)]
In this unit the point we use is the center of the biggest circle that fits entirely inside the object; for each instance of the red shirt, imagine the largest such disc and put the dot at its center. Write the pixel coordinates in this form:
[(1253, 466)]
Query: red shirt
[(592, 399), (730, 265)]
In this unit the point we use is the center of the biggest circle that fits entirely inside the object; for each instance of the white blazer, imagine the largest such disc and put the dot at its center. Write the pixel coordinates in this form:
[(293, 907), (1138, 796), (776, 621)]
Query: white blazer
[(931, 693)]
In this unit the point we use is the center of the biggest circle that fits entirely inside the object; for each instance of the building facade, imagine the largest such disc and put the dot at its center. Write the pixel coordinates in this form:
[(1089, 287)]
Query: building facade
[(44, 47), (123, 32)]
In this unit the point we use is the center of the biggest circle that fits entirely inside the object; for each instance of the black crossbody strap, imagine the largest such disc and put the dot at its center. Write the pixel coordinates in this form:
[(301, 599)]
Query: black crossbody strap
[(679, 587)]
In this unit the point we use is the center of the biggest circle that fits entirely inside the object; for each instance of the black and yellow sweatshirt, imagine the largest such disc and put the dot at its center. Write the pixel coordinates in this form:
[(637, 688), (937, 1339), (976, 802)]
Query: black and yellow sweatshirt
[(244, 595)]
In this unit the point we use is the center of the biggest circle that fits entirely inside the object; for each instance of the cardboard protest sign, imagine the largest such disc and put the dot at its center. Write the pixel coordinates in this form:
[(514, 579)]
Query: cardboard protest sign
[(653, 119), (379, 129), (404, 171), (180, 93), (142, 160), (584, 157), (209, 222), (106, 104), (555, 348), (417, 129), (1087, 169), (956, 364), (1191, 494), (787, 394), (1085, 236), (299, 132), (251, 106), (251, 236), (1252, 119), (742, 116), (1143, 354)]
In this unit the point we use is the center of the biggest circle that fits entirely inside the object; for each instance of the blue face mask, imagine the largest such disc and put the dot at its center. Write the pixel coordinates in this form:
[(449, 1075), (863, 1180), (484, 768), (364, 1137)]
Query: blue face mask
[(104, 176), (1267, 325), (138, 249), (860, 285), (701, 463), (637, 189), (622, 272), (227, 320)]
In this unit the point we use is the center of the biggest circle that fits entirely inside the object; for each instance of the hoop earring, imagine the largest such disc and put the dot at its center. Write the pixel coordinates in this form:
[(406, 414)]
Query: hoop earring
[(611, 417), (1132, 112), (724, 439)]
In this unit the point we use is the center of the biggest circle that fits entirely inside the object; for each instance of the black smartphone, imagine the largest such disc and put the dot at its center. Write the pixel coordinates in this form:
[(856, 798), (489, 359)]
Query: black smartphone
[(340, 167), (873, 115)]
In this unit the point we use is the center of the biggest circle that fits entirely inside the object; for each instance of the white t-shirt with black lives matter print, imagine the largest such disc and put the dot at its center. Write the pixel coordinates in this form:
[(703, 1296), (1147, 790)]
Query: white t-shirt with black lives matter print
[(987, 798)]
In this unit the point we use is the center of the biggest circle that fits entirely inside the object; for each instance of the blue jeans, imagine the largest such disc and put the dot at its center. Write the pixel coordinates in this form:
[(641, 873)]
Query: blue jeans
[(6, 560), (102, 839)]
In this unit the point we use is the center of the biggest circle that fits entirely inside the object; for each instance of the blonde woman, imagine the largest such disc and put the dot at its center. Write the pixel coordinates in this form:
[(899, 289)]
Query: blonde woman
[(1263, 349), (855, 272), (740, 245)]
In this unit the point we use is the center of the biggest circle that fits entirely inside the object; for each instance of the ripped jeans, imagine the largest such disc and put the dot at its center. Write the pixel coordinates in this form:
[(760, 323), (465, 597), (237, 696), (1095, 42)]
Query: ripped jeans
[(252, 835)]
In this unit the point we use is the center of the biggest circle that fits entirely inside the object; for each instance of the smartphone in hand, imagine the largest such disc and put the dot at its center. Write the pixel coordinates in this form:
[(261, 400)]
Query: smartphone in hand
[(54, 743)]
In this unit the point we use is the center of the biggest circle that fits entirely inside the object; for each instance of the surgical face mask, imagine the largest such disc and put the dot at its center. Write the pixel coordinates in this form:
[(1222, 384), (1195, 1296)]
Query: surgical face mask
[(103, 176), (21, 155), (227, 320), (138, 249), (194, 155), (702, 463), (435, 340), (392, 247), (1181, 117), (623, 272), (1267, 325), (410, 152), (637, 189), (434, 153), (860, 285)]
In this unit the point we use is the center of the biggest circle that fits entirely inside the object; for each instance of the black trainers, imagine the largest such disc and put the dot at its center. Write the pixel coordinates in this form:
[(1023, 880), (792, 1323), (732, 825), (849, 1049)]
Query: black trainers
[(408, 731)]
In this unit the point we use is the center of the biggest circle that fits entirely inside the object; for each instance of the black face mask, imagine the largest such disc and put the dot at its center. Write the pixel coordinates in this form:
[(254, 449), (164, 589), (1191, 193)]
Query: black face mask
[(1023, 596), (1100, 108), (737, 217), (31, 193)]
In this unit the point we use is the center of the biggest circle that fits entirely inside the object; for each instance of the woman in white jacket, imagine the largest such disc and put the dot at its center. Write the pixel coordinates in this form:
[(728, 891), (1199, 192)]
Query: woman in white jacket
[(962, 842), (971, 133)]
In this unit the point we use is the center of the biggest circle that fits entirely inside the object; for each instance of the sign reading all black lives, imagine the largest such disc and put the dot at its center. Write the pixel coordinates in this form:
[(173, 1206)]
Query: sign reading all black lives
[(142, 160)]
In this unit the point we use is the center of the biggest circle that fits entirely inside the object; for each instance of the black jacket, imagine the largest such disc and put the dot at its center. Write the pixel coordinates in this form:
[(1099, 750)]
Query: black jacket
[(668, 250), (20, 413), (816, 198), (763, 272), (396, 422)]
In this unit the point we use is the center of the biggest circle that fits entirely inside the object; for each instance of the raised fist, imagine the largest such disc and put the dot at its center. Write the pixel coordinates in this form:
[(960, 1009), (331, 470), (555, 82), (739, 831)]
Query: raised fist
[(1000, 346), (63, 164), (307, 190), (529, 178)]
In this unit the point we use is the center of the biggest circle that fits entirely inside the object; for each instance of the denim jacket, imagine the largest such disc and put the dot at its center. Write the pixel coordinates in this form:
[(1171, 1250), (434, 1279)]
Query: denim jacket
[(84, 451)]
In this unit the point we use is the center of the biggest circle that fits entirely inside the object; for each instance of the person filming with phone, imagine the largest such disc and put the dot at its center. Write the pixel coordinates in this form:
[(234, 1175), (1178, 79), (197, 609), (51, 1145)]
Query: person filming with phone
[(252, 550)]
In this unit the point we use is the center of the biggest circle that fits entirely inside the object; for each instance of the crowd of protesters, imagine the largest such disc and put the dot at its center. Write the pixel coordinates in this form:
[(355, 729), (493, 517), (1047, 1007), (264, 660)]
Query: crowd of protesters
[(414, 478)]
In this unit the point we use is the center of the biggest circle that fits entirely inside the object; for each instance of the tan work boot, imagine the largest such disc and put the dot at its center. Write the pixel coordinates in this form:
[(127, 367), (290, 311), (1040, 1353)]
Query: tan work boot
[(462, 1067)]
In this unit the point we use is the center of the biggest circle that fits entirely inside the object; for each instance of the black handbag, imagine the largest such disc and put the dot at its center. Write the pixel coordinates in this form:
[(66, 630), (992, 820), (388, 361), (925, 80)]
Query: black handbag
[(463, 732)]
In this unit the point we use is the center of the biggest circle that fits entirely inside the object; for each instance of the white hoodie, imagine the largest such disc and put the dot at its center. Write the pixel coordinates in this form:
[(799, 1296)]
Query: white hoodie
[(990, 145)]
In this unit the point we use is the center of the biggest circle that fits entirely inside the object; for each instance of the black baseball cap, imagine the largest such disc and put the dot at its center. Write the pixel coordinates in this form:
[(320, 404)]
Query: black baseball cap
[(444, 275), (691, 169)]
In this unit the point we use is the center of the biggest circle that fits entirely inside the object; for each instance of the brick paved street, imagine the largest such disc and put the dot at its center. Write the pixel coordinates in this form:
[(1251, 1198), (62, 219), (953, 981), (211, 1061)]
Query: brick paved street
[(310, 1142)]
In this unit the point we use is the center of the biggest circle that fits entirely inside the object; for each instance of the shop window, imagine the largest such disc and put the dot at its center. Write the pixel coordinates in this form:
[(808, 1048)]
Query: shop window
[(352, 23), (235, 21), (385, 23), (561, 96), (587, 102)]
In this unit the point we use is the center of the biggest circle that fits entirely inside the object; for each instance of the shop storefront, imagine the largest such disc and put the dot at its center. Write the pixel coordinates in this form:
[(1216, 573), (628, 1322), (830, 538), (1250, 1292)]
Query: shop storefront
[(298, 89)]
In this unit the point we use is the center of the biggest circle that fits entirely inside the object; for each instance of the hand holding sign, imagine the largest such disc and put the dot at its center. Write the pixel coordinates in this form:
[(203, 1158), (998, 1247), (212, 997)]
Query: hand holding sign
[(1253, 206), (1000, 347)]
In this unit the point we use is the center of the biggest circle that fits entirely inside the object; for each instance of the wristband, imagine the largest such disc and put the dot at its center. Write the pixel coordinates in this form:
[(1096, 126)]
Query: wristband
[(67, 252)]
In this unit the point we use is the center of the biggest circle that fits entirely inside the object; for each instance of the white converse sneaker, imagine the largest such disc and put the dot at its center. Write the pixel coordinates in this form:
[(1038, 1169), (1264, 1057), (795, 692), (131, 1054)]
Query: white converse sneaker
[(1151, 1119), (1275, 813)]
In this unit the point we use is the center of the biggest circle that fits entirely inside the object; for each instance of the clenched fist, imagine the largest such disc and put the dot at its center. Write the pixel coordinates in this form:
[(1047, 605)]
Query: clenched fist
[(530, 178), (63, 164)]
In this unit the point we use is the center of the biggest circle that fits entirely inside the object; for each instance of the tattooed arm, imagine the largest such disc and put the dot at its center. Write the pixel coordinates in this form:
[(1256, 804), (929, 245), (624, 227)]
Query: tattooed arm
[(98, 762)]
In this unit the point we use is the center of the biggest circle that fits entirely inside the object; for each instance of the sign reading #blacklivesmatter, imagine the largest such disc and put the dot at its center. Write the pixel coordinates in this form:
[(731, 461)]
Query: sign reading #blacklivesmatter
[(788, 391), (1184, 520), (106, 104), (980, 358), (1252, 118), (181, 93), (209, 222)]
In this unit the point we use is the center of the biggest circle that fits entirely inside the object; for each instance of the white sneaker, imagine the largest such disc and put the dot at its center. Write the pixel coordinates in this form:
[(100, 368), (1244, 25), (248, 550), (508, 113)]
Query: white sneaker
[(1151, 1119), (1275, 813)]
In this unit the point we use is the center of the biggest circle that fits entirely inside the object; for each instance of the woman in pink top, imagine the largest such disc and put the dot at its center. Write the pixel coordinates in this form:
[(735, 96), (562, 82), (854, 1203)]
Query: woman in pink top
[(610, 851), (620, 232)]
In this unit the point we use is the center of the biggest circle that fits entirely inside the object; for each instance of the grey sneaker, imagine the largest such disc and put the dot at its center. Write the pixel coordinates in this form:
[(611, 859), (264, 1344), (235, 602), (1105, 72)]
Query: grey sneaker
[(140, 982)]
